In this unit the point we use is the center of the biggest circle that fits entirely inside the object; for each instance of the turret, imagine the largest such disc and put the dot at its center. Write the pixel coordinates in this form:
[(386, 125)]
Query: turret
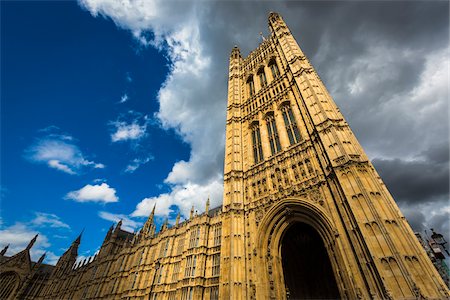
[(177, 221), (191, 215), (233, 149), (207, 206), (235, 53)]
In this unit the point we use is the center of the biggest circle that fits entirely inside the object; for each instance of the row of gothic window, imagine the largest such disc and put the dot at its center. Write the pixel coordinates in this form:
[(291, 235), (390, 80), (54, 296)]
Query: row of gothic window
[(274, 140), (187, 293), (262, 77)]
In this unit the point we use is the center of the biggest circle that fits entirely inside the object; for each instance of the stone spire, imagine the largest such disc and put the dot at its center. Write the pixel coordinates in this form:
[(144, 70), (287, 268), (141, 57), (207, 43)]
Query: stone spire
[(31, 243), (207, 206), (146, 230), (4, 250), (41, 259), (119, 225), (78, 239), (68, 259)]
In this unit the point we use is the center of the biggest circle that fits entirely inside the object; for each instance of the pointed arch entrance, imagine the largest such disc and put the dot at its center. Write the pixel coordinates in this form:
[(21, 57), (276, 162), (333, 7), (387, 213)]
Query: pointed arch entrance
[(307, 269), (287, 226)]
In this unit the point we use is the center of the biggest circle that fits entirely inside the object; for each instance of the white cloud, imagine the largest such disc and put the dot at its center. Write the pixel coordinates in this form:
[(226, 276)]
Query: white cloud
[(19, 235), (99, 180), (136, 163), (128, 131), (128, 224), (94, 193), (98, 166), (46, 219), (124, 98), (51, 258), (56, 164), (59, 152), (186, 100), (183, 196)]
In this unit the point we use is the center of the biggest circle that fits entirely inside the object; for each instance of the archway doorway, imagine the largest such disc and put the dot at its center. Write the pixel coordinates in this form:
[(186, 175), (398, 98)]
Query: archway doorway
[(306, 266)]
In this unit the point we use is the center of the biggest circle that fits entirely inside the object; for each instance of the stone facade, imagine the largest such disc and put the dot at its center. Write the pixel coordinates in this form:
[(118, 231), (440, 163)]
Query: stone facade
[(298, 188)]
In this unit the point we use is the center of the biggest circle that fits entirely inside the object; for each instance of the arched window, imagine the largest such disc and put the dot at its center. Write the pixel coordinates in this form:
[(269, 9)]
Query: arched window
[(274, 140), (291, 125), (262, 77), (257, 145), (9, 281), (251, 86), (274, 68)]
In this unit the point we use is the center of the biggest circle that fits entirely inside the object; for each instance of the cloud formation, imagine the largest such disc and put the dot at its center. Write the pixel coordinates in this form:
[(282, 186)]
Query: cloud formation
[(128, 224), (60, 152), (125, 131), (129, 127), (184, 197), (136, 163), (18, 236), (385, 64), (102, 193), (124, 98), (50, 220)]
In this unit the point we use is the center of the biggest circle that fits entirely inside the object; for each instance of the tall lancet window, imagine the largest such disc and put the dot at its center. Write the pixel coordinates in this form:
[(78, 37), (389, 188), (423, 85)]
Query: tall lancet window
[(274, 68), (257, 146), (251, 86), (262, 77), (291, 125), (274, 140)]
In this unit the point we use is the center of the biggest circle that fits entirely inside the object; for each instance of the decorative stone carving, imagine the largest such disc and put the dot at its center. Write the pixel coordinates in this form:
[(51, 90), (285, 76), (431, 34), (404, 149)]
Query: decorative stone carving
[(258, 216), (288, 212)]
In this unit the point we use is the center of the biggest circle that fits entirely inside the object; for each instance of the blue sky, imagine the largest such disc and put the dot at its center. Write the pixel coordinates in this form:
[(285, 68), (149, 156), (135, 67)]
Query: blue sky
[(110, 107), (69, 81)]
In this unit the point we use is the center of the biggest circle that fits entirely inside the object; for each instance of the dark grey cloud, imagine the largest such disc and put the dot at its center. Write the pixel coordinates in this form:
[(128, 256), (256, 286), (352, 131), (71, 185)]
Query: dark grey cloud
[(414, 181), (421, 187), (416, 219)]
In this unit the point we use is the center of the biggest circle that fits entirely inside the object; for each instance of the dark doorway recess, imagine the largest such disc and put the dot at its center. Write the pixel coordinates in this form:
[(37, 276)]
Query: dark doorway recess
[(306, 266)]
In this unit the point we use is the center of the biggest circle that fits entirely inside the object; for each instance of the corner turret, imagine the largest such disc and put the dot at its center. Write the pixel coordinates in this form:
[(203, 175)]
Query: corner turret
[(177, 221), (207, 206)]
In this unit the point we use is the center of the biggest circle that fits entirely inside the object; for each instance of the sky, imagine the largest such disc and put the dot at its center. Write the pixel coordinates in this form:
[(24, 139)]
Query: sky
[(108, 107)]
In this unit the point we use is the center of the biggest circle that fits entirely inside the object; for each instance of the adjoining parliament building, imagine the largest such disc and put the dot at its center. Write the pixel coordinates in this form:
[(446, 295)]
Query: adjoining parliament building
[(304, 214)]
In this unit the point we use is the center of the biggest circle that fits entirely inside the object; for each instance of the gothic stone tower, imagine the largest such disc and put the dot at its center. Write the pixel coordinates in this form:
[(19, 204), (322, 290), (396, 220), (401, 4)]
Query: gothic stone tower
[(305, 214)]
